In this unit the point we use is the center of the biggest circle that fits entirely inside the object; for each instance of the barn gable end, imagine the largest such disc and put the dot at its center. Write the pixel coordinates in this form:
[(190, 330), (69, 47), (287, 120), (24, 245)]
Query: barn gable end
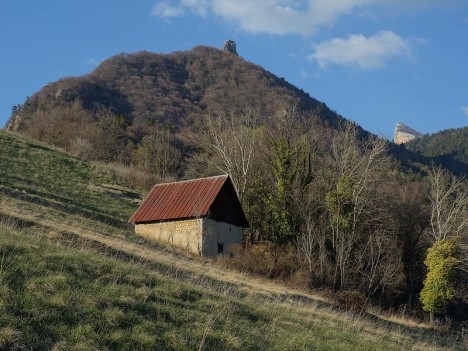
[(227, 208)]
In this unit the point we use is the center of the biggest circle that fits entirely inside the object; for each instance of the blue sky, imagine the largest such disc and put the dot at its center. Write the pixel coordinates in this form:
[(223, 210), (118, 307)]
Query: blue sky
[(375, 62)]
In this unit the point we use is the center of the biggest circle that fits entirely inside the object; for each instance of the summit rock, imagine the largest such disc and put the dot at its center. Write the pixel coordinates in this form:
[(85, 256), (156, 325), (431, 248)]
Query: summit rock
[(403, 134)]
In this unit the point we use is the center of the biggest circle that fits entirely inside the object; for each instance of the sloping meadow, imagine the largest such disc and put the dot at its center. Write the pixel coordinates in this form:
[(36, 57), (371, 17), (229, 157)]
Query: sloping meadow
[(74, 277)]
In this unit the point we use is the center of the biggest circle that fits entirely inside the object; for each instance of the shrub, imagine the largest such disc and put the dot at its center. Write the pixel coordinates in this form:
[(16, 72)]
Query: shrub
[(351, 300), (263, 259), (442, 258)]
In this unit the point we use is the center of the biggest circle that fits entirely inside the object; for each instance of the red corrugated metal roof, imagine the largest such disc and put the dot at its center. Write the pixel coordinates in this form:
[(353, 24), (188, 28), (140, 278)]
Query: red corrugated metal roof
[(186, 199)]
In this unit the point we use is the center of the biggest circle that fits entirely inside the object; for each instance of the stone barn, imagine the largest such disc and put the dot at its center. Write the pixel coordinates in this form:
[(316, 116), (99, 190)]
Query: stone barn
[(203, 216)]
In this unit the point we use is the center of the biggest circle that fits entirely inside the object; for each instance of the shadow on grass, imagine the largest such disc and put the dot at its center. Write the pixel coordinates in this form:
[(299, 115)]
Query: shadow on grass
[(68, 207)]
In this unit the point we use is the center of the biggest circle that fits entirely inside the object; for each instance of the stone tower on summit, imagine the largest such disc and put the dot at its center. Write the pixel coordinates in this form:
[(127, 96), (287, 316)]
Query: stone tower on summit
[(230, 46)]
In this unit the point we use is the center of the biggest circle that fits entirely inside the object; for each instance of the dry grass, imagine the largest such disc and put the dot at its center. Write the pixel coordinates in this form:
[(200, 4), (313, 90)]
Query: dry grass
[(288, 308), (178, 262), (10, 339), (400, 319)]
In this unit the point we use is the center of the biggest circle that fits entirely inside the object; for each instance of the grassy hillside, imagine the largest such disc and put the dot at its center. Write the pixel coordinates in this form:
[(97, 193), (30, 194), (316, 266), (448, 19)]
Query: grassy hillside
[(74, 277), (38, 174)]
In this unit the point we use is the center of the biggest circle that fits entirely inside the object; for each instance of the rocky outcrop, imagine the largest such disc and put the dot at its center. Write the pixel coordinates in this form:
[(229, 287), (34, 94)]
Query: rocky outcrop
[(403, 134), (230, 46), (15, 120)]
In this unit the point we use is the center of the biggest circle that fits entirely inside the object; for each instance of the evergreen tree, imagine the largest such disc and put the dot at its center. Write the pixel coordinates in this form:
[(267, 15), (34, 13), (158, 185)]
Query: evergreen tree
[(439, 288)]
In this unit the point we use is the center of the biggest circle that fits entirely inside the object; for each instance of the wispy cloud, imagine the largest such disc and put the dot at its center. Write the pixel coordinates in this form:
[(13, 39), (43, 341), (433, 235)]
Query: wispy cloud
[(92, 62), (266, 16), (419, 3), (277, 16), (465, 110), (165, 10), (304, 74), (283, 17), (361, 51)]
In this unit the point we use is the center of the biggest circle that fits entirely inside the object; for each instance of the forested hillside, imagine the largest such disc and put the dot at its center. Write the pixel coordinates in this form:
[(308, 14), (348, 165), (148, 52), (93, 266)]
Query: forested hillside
[(144, 90), (113, 113), (449, 147)]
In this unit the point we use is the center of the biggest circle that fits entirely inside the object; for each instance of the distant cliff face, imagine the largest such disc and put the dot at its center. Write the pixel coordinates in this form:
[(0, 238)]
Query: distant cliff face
[(403, 134)]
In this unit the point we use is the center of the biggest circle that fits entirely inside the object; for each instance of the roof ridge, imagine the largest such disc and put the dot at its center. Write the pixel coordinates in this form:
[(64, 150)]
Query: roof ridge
[(194, 179)]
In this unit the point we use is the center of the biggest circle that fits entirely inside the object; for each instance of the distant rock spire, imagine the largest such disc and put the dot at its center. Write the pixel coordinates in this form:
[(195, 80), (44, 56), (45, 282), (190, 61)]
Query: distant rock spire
[(230, 46), (403, 134)]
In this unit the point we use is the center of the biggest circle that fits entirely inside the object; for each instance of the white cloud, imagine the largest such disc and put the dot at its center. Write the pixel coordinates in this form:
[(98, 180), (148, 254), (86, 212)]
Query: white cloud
[(165, 10), (465, 110), (363, 52), (199, 7), (283, 17), (266, 16), (420, 3), (278, 16), (92, 62), (304, 74)]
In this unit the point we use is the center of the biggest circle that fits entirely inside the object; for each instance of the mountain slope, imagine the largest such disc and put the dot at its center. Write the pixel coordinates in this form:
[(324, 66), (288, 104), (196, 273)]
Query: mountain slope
[(106, 114), (72, 270), (136, 109), (177, 88), (449, 147)]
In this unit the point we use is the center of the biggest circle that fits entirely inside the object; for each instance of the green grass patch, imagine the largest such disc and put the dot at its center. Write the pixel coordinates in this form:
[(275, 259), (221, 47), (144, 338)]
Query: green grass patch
[(38, 173), (66, 298)]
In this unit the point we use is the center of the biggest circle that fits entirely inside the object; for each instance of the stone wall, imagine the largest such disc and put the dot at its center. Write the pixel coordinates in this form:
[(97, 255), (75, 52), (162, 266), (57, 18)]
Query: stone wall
[(186, 234), (215, 233)]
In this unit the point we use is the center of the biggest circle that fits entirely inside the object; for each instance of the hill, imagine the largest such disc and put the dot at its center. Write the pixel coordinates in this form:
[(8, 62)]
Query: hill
[(73, 276), (106, 115), (448, 147), (146, 88)]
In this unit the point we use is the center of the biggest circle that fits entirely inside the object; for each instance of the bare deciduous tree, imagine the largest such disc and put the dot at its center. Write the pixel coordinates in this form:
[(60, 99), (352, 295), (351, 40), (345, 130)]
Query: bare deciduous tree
[(449, 220), (157, 154), (61, 124), (311, 244), (359, 164), (232, 139), (449, 204), (379, 260)]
